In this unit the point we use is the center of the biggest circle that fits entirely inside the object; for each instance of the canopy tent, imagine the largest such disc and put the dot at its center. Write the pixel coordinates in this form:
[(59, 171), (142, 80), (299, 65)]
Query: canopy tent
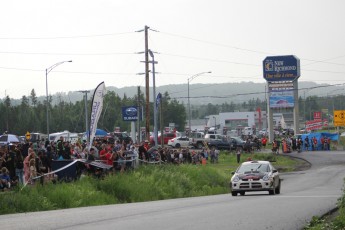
[(99, 133), (318, 136)]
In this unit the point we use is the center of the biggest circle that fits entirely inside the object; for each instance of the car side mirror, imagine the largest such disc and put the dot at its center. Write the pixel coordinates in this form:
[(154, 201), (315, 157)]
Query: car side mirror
[(232, 173), (275, 170)]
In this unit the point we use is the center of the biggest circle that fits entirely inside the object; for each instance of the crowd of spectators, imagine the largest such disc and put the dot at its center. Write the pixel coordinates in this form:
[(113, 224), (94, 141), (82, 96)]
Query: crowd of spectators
[(25, 163)]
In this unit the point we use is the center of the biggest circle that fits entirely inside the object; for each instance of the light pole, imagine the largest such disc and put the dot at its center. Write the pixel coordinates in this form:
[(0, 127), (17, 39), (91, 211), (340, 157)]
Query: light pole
[(189, 80), (155, 132), (48, 71), (86, 113), (215, 123)]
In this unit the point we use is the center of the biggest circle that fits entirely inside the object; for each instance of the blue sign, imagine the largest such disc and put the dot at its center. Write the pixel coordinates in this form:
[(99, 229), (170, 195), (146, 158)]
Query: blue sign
[(281, 68), (130, 113)]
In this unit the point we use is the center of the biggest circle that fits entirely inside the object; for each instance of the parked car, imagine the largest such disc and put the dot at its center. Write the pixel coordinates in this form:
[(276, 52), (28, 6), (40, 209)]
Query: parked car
[(253, 176), (197, 139), (166, 138), (221, 144), (179, 142)]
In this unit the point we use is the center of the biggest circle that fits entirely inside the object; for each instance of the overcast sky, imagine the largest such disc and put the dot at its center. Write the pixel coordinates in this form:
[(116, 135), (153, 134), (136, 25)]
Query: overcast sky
[(230, 38)]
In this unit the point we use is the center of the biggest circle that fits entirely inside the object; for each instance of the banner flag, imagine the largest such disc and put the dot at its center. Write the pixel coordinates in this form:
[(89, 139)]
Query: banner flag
[(96, 110)]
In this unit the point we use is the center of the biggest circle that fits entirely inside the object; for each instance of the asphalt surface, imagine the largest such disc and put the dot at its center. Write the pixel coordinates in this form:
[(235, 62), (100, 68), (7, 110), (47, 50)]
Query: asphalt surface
[(304, 194)]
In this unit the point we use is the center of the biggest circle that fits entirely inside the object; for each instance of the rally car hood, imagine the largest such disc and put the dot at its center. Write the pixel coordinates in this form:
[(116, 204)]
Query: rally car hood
[(254, 176)]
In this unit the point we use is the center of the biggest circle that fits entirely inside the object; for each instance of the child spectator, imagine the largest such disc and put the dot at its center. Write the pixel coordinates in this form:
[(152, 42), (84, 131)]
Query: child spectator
[(33, 171), (5, 180)]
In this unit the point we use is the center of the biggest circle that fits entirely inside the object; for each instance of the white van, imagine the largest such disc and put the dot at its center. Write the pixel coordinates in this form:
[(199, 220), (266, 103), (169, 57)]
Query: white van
[(248, 131), (67, 136)]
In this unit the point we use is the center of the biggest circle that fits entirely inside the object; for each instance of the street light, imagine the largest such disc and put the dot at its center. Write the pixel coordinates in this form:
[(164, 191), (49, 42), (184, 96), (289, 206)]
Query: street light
[(48, 71), (189, 80), (155, 132), (215, 123)]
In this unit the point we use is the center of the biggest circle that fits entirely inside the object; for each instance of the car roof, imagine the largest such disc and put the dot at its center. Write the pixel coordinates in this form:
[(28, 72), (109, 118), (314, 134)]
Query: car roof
[(255, 162)]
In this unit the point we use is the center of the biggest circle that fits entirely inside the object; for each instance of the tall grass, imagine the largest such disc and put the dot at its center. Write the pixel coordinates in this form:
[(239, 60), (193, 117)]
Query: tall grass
[(147, 183)]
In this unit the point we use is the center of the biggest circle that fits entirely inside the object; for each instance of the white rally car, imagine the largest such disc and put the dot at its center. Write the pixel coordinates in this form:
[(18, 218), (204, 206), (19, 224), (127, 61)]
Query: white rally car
[(253, 176)]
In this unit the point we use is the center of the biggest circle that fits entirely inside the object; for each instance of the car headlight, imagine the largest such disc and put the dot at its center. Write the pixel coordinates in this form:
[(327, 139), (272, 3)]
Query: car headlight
[(266, 177), (235, 179)]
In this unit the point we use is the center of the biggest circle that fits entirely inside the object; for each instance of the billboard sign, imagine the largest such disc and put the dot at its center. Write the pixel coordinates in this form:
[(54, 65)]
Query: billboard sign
[(282, 99), (130, 113), (281, 95), (281, 68)]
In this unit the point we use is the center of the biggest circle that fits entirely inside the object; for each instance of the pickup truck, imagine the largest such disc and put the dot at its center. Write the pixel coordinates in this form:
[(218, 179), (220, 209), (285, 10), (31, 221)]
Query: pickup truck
[(221, 144), (239, 142)]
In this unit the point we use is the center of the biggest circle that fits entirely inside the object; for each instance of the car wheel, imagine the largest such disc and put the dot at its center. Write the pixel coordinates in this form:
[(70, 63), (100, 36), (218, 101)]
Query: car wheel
[(277, 190), (199, 145), (272, 191), (177, 145), (234, 193), (243, 193)]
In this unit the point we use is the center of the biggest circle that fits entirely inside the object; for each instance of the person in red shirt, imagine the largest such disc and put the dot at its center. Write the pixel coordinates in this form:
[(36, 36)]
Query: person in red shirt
[(102, 153), (109, 156), (264, 142)]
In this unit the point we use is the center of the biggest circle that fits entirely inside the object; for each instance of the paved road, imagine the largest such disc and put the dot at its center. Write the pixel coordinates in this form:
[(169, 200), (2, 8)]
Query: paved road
[(304, 195)]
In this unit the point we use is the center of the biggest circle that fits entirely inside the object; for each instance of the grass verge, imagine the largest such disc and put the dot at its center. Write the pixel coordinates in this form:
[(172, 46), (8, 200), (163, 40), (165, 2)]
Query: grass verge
[(147, 183), (334, 221)]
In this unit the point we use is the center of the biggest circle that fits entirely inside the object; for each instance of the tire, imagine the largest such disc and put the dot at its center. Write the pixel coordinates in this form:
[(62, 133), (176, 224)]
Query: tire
[(177, 145), (234, 193), (272, 192), (199, 145), (277, 189), (242, 193)]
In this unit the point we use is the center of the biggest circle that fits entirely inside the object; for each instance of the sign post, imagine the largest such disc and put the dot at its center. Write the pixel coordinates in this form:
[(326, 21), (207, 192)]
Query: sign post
[(339, 118), (27, 136), (281, 74)]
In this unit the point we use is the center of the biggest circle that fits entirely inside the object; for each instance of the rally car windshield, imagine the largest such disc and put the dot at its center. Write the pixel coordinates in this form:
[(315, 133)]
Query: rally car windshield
[(253, 168)]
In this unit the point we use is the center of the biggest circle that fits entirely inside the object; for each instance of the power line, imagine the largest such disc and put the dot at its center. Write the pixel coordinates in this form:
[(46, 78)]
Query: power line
[(65, 37), (251, 50), (256, 93), (79, 54)]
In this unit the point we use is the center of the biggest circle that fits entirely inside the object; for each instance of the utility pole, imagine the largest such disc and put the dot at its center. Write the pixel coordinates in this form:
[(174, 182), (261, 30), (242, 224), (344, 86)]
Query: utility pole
[(139, 116), (147, 85)]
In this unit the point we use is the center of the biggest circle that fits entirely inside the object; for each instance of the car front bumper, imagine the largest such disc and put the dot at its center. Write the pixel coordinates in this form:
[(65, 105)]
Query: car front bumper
[(251, 185)]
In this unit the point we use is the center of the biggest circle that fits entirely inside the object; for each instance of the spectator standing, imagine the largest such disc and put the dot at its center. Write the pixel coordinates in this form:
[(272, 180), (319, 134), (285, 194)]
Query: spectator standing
[(306, 143), (238, 154), (264, 142), (328, 143), (322, 141), (30, 156), (60, 148), (19, 167)]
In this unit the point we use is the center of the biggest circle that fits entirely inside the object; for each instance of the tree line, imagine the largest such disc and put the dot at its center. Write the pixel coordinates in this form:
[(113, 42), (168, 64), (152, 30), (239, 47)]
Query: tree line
[(30, 114)]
